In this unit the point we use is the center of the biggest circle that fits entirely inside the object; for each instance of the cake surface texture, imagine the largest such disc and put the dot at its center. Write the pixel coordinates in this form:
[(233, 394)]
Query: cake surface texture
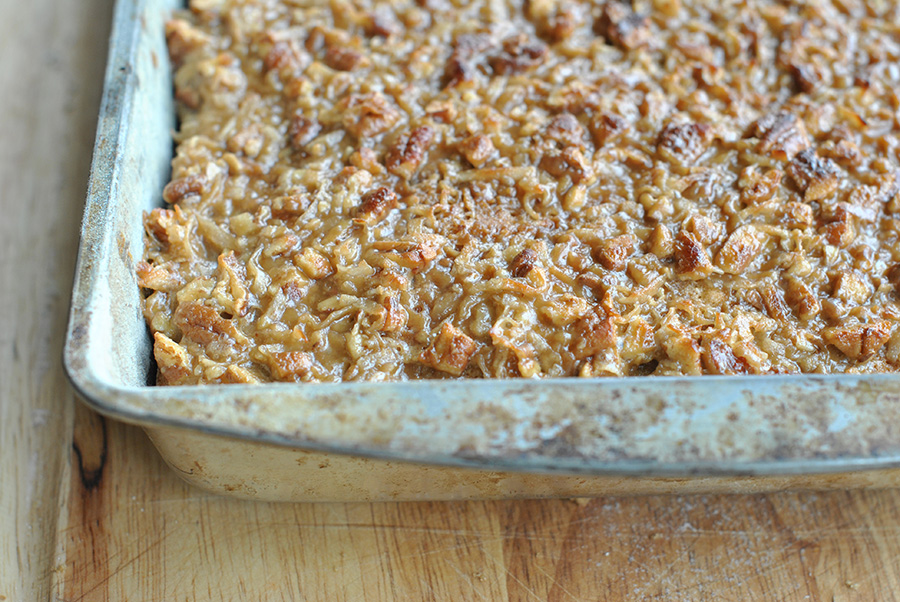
[(422, 189)]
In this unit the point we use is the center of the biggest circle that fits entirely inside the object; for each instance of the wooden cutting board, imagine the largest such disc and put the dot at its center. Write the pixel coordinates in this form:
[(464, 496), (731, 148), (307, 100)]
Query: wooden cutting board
[(89, 512), (131, 530)]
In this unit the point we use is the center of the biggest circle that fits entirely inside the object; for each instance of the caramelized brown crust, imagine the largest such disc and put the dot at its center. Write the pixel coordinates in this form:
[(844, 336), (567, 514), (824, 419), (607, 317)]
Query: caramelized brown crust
[(370, 190)]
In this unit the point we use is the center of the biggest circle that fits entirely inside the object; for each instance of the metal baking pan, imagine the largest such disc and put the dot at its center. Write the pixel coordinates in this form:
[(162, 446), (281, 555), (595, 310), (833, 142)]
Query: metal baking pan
[(434, 439)]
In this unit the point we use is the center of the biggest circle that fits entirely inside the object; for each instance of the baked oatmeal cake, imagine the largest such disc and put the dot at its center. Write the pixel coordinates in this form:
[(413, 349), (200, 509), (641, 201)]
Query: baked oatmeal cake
[(420, 189)]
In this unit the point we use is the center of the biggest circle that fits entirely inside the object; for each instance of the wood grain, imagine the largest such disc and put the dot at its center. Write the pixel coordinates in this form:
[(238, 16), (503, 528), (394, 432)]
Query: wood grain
[(88, 511), (152, 537), (51, 63)]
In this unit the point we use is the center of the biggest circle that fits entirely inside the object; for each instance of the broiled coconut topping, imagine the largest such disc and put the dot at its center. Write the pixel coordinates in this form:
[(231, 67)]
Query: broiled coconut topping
[(487, 188)]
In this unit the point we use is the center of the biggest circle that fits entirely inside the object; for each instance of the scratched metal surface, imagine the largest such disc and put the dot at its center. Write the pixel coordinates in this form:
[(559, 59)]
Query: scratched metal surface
[(631, 426)]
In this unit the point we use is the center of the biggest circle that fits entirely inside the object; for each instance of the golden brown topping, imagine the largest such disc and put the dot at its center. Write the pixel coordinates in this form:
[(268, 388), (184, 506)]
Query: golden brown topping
[(781, 135), (231, 291), (477, 149), (599, 285), (893, 276), (614, 253), (176, 190), (564, 310), (344, 59), (314, 264), (719, 358), (739, 250), (410, 152), (839, 232), (795, 214), (293, 290), (288, 365), (863, 202), (575, 97), (561, 26), (859, 341), (849, 286), (157, 223), (683, 144), (462, 64), (188, 96), (802, 299), (281, 245), (506, 336), (607, 127), (565, 129), (554, 20), (365, 158), (669, 8), (391, 315), (172, 360), (576, 188), (451, 350), (375, 204), (592, 334), (236, 375), (845, 152), (635, 159), (248, 142), (202, 324), (622, 27), (639, 344), (889, 192), (662, 243), (288, 207), (523, 263), (282, 54), (774, 303), (569, 162), (368, 115), (393, 280), (442, 111), (762, 189), (182, 39), (806, 77), (815, 176), (413, 254), (705, 230), (382, 23), (302, 131), (691, 259), (519, 54), (158, 278), (796, 54), (680, 347)]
